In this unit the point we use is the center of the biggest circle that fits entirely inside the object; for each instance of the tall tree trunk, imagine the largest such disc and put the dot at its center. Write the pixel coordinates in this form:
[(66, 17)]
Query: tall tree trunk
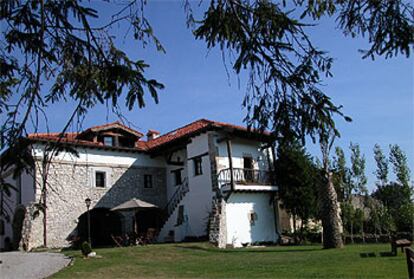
[(294, 223), (363, 234), (352, 231), (331, 220)]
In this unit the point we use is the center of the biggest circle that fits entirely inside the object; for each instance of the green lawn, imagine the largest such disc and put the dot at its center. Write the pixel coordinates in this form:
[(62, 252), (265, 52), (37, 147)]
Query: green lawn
[(205, 261)]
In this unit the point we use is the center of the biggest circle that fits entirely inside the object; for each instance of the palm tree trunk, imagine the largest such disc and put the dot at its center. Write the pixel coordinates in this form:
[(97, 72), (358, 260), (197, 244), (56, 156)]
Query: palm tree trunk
[(331, 220)]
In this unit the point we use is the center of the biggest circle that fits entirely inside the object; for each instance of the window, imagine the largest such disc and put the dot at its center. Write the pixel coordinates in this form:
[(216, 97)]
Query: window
[(109, 141), (177, 177), (180, 215), (248, 162), (100, 179), (198, 170), (252, 216), (2, 226), (147, 181), (248, 169)]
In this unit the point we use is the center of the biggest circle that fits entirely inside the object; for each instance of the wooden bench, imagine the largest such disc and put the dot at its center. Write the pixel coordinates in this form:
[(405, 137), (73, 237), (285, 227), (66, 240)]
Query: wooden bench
[(399, 243), (409, 252)]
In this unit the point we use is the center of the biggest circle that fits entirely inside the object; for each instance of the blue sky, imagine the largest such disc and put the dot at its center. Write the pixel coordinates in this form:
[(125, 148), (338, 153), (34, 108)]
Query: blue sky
[(378, 94)]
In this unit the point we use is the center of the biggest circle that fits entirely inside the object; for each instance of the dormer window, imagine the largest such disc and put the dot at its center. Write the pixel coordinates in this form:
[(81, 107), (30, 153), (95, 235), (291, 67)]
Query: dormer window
[(108, 141), (111, 135)]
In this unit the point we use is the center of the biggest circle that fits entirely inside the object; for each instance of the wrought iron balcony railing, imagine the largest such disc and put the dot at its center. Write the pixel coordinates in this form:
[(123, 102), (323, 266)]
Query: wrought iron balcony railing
[(245, 176)]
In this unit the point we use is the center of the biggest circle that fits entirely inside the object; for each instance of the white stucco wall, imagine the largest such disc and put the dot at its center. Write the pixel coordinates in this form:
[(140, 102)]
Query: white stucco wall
[(242, 148), (98, 156), (239, 228), (179, 155), (197, 202)]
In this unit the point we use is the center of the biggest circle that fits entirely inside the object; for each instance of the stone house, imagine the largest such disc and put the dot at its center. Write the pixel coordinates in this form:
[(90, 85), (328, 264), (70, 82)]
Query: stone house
[(208, 179)]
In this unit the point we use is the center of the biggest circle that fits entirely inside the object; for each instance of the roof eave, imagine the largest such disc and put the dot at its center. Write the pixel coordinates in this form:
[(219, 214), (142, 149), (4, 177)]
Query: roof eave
[(91, 146)]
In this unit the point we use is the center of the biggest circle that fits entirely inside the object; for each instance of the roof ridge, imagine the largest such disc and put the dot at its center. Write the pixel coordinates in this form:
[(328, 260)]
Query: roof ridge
[(188, 130), (52, 133), (97, 127), (185, 126)]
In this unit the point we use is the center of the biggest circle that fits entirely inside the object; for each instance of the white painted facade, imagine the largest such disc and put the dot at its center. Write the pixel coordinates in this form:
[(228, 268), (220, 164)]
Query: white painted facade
[(250, 219), (105, 157), (197, 202)]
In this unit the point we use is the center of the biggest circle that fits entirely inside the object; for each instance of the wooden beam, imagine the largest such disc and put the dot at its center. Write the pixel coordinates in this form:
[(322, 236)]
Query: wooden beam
[(175, 163), (198, 156), (220, 140), (269, 162), (228, 143), (274, 157), (116, 140), (273, 177)]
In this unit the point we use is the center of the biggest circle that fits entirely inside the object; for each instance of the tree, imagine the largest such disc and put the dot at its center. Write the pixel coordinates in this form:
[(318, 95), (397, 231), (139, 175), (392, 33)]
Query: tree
[(352, 181), (359, 219), (396, 199), (298, 179), (374, 218), (399, 161), (342, 176), (344, 186), (395, 196), (359, 181), (358, 178), (348, 214), (382, 165), (57, 41), (387, 223), (328, 201)]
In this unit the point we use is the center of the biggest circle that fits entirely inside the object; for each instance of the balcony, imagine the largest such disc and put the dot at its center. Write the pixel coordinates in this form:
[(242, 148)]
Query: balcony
[(246, 179)]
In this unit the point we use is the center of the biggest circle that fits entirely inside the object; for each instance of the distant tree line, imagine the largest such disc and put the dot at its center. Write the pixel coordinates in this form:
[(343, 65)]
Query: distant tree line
[(388, 209)]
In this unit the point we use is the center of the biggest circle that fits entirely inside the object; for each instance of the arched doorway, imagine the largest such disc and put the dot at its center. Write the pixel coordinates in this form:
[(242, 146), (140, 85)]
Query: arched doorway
[(104, 223)]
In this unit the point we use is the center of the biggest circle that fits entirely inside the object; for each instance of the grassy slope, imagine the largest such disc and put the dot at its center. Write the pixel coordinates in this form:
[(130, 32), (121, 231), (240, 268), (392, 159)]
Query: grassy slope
[(204, 261)]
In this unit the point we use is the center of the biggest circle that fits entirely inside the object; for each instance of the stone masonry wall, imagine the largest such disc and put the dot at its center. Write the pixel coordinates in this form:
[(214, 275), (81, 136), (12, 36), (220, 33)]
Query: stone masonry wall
[(217, 225), (70, 184)]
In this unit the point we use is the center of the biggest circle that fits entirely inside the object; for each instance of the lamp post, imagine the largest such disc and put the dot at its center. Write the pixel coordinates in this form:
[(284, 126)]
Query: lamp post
[(88, 205)]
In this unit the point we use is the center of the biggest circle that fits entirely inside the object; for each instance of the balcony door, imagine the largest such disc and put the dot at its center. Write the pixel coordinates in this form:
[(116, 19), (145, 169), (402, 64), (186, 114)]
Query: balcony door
[(248, 168)]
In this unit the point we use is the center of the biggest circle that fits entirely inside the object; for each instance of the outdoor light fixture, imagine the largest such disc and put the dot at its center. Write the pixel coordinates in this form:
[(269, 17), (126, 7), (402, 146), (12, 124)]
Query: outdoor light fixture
[(88, 205)]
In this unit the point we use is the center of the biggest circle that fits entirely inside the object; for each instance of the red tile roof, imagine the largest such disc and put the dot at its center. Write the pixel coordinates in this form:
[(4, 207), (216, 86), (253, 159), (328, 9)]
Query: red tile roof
[(184, 132), (112, 125)]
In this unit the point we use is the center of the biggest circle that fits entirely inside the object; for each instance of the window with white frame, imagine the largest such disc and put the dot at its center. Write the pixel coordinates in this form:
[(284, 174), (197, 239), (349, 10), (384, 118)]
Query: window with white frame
[(100, 179), (198, 169), (108, 141)]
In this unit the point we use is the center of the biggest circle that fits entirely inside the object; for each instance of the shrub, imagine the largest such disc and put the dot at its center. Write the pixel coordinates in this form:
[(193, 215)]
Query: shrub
[(86, 248)]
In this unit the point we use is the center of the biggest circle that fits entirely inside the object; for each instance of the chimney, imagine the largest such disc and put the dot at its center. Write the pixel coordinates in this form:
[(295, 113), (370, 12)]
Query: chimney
[(152, 134)]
